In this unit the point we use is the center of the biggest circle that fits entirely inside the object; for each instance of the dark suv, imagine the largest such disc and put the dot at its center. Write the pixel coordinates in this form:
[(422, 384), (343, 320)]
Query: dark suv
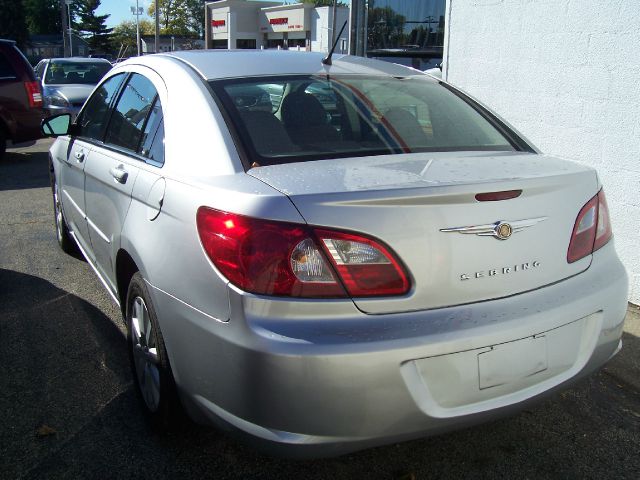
[(20, 97)]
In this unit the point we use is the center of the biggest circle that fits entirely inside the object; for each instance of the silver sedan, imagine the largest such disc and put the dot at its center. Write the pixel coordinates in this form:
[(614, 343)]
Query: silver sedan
[(331, 257), (67, 82)]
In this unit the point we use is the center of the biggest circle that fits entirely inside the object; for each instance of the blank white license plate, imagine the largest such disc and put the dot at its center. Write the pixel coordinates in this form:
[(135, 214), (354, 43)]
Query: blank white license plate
[(512, 361)]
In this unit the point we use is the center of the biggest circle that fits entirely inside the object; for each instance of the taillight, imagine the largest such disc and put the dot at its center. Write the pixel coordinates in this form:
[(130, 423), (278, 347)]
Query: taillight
[(592, 229), (288, 259), (603, 230), (34, 93)]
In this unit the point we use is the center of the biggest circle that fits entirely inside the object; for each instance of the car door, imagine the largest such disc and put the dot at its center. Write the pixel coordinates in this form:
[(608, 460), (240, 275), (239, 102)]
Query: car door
[(74, 159), (115, 165)]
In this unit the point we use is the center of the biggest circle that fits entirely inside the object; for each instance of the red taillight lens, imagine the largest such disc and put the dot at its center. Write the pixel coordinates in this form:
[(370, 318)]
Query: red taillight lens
[(287, 259), (592, 229), (365, 266), (33, 93), (603, 230)]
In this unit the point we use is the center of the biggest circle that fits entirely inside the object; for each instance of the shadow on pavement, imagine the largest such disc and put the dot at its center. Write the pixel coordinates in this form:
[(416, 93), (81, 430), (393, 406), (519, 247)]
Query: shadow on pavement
[(62, 361), (24, 169)]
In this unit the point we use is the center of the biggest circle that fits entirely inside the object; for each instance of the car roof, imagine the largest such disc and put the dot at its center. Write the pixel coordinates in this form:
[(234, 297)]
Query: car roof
[(78, 60), (218, 64)]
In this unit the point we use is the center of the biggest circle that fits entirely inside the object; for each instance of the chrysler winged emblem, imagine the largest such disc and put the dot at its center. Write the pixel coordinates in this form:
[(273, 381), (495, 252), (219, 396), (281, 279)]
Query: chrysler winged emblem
[(502, 230)]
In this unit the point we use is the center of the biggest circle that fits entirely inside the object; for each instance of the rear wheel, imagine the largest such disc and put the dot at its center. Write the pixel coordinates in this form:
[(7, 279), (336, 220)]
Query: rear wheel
[(66, 242), (148, 355)]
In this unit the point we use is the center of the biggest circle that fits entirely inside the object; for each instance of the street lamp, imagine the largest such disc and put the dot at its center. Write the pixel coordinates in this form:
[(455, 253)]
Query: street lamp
[(137, 11), (68, 2)]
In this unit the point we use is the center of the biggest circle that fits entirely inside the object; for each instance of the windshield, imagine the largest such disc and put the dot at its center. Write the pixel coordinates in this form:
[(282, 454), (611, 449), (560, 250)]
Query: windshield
[(303, 118), (68, 72)]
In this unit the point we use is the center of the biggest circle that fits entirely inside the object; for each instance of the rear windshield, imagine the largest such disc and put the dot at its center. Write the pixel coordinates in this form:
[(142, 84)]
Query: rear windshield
[(293, 119), (68, 72)]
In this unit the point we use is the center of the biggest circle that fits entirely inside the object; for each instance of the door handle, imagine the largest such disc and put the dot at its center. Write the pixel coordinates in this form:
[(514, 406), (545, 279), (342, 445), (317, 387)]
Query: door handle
[(79, 156), (119, 174)]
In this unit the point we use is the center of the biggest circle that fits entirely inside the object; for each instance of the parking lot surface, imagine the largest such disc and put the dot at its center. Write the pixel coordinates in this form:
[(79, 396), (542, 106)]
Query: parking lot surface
[(69, 408)]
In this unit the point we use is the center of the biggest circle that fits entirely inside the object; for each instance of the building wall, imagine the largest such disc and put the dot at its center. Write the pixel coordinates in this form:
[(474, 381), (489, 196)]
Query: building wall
[(321, 25), (566, 74)]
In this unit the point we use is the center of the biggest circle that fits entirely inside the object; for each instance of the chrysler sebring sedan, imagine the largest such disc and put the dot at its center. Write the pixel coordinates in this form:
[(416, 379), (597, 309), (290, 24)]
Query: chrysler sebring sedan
[(325, 276)]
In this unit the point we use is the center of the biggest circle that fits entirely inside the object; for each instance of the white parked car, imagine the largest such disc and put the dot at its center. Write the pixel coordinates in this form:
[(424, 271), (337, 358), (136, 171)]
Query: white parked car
[(326, 276)]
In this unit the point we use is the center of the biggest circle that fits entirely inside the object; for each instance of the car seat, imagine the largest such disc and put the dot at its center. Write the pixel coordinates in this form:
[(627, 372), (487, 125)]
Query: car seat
[(405, 127), (306, 120), (268, 135)]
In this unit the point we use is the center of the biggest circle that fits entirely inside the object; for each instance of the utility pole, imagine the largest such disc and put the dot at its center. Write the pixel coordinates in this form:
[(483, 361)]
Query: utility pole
[(63, 22), (137, 11), (157, 39), (68, 2), (333, 24)]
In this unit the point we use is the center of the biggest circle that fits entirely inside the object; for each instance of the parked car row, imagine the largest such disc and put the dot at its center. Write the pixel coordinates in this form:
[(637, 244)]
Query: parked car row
[(58, 85), (327, 256)]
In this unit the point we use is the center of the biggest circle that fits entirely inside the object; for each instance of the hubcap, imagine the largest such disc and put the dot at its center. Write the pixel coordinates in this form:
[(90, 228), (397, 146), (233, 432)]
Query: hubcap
[(145, 354)]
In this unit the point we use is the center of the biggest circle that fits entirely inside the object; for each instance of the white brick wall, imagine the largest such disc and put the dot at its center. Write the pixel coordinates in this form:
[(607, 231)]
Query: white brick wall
[(566, 73)]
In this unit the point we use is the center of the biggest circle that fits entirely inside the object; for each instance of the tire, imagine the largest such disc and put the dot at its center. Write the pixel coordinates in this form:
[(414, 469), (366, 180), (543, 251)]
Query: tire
[(65, 241), (149, 361)]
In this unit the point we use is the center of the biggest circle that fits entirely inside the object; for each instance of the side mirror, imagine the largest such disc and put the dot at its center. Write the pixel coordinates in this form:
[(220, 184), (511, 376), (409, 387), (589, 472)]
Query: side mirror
[(56, 125)]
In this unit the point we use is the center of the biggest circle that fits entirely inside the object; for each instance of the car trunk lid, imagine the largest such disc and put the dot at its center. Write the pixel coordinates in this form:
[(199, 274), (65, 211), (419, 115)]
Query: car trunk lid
[(422, 205)]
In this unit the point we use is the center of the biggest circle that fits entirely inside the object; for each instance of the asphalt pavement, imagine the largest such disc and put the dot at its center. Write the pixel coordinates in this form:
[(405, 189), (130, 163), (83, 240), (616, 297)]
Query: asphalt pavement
[(68, 408)]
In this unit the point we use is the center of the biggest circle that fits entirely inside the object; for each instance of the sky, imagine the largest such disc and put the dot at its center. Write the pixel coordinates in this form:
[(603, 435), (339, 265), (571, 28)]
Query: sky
[(120, 10)]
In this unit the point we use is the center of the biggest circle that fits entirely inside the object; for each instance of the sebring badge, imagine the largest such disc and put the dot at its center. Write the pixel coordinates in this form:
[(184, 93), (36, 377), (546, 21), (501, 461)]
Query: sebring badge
[(502, 230)]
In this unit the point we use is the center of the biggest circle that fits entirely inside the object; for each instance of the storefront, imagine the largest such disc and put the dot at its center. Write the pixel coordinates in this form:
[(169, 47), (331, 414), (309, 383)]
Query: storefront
[(286, 26), (410, 32), (233, 24)]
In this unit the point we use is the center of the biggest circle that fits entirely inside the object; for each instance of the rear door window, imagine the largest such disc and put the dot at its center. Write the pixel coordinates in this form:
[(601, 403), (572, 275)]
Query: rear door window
[(152, 143), (131, 112)]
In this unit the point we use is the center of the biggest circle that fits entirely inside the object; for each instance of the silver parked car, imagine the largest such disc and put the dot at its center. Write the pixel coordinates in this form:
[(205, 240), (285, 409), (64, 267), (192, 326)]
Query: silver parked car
[(329, 276), (67, 82)]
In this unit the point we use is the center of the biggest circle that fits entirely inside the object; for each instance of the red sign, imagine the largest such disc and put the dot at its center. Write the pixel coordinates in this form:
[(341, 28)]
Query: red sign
[(218, 23), (279, 21)]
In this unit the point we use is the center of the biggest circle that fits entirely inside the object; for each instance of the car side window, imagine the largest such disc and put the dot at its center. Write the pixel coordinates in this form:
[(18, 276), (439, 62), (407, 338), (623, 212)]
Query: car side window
[(95, 115), (152, 143), (155, 153), (131, 112)]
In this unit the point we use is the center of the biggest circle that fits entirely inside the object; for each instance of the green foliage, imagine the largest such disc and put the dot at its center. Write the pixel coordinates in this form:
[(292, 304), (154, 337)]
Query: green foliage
[(13, 25), (385, 28), (124, 34), (325, 3), (43, 17), (174, 16), (91, 26)]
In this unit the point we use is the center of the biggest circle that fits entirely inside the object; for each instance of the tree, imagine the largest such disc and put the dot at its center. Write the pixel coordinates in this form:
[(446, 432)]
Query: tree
[(91, 26), (196, 16), (124, 34), (43, 17), (12, 21), (385, 27), (325, 3), (173, 16)]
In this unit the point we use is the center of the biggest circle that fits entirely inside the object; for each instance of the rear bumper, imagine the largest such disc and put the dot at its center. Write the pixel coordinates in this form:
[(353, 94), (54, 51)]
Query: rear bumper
[(321, 378)]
